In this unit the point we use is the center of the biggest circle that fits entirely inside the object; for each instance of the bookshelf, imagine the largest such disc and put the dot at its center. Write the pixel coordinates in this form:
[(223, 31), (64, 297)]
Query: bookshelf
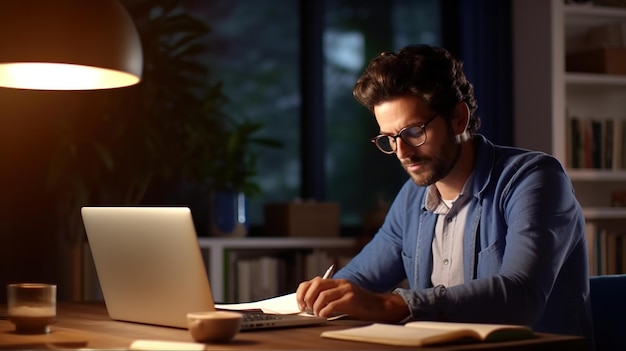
[(222, 255), (548, 97)]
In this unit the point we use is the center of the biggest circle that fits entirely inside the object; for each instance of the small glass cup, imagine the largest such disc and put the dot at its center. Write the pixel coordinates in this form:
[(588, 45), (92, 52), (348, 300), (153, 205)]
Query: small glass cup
[(32, 307)]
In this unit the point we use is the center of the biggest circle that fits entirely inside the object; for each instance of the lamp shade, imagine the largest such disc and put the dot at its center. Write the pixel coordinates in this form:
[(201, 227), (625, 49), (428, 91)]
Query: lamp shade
[(68, 45)]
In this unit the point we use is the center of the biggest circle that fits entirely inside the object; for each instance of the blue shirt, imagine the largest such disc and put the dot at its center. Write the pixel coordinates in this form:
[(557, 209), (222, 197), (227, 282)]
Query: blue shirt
[(524, 255)]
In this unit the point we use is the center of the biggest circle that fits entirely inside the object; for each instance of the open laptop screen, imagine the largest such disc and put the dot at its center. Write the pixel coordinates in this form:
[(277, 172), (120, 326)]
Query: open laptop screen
[(148, 262)]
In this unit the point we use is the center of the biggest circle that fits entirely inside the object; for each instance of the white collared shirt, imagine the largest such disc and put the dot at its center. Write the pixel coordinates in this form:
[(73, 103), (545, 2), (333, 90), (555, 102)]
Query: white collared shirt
[(447, 245)]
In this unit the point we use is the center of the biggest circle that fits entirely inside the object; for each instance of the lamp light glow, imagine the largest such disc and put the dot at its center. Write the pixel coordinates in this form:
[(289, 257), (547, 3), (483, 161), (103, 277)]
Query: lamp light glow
[(60, 76), (68, 45)]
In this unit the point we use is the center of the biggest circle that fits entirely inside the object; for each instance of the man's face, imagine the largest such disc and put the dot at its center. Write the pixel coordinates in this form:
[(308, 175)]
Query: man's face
[(430, 162)]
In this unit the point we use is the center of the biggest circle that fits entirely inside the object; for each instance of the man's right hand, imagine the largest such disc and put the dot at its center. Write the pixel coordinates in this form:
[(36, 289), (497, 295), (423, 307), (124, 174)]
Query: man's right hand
[(331, 297)]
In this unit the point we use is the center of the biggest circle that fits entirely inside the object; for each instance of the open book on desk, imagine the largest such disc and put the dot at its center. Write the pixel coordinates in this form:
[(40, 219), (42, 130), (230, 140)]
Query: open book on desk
[(424, 333)]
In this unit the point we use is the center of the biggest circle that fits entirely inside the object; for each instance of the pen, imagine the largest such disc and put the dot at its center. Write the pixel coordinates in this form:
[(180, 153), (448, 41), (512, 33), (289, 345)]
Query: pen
[(329, 272)]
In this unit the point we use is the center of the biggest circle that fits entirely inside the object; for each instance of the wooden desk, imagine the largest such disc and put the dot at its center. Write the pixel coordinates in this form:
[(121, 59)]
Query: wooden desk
[(87, 325)]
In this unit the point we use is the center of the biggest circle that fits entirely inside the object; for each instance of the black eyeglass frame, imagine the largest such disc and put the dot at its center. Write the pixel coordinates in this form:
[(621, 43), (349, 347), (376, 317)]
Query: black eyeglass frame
[(395, 137)]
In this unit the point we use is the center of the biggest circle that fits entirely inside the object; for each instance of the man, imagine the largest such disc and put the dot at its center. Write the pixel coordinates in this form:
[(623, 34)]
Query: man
[(482, 233)]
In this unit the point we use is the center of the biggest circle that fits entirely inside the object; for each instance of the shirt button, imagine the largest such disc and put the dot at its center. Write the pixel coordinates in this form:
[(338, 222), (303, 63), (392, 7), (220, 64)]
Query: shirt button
[(449, 219), (446, 261)]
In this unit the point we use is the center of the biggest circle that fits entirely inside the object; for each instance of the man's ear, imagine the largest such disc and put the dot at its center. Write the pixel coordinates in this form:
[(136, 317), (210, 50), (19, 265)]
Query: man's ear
[(460, 121)]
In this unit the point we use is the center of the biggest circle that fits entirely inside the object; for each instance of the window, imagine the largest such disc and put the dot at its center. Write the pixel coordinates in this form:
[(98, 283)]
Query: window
[(255, 50), (358, 175)]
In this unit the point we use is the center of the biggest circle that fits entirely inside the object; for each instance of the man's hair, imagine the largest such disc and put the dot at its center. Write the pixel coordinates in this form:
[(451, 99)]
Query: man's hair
[(427, 72)]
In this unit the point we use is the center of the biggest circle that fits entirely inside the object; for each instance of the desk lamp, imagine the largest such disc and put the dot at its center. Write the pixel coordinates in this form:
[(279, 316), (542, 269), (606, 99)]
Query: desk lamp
[(68, 45)]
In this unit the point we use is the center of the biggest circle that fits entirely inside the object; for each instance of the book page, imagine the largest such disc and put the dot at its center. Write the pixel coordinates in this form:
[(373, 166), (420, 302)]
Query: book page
[(398, 335), (487, 332)]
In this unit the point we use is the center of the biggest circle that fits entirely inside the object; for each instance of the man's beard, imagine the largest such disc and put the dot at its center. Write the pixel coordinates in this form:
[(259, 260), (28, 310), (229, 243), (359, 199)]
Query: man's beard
[(436, 168)]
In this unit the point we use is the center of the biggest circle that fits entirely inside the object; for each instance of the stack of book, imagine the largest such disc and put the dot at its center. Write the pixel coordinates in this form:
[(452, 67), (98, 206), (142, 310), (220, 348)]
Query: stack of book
[(596, 143)]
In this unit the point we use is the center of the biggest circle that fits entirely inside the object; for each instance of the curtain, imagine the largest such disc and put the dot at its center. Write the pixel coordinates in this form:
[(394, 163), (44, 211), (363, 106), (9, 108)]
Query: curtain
[(479, 33)]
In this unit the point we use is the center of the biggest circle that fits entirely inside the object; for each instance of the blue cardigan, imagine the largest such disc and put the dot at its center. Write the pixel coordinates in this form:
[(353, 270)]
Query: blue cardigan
[(525, 256)]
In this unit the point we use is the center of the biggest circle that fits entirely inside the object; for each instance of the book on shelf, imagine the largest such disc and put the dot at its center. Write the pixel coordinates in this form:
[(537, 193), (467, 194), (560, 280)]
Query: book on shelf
[(606, 249), (618, 144), (575, 147), (244, 280), (596, 158), (256, 275), (596, 143), (587, 147), (607, 143), (424, 333), (258, 278), (592, 250), (316, 263), (611, 255)]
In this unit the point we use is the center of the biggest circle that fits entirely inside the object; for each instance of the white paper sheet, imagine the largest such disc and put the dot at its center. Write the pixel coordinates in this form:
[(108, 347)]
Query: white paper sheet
[(284, 304)]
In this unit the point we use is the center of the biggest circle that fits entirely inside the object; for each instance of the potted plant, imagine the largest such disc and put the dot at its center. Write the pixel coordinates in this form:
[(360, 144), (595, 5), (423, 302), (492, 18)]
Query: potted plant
[(232, 169)]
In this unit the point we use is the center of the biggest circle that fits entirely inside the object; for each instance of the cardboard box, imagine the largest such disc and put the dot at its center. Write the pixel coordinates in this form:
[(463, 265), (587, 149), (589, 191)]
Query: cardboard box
[(606, 60), (302, 219)]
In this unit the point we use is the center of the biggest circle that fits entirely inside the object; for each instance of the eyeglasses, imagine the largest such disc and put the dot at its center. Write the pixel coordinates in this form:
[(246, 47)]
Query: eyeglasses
[(413, 136)]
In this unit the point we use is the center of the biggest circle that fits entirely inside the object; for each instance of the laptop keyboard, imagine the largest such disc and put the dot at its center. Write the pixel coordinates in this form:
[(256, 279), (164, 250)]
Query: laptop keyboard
[(260, 316)]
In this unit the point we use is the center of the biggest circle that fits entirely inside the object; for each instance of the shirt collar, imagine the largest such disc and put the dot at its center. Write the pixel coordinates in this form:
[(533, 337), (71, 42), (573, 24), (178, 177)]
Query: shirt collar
[(434, 203)]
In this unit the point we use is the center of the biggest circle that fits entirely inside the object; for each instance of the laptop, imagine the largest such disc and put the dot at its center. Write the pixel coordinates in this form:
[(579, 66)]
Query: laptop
[(151, 269)]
